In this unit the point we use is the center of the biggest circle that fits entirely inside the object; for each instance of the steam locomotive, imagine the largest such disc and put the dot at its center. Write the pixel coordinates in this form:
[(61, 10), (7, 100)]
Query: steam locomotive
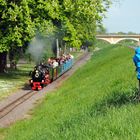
[(43, 74)]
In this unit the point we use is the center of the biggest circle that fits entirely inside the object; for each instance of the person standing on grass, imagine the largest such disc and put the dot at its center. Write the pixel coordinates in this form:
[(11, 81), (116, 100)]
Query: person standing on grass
[(136, 60)]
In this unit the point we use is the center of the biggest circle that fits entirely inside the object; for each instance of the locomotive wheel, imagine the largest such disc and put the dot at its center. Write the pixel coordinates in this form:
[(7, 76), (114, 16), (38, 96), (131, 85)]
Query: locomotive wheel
[(42, 85), (31, 84)]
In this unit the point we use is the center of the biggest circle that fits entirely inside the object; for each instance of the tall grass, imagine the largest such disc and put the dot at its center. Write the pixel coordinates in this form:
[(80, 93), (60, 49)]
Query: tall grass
[(96, 103)]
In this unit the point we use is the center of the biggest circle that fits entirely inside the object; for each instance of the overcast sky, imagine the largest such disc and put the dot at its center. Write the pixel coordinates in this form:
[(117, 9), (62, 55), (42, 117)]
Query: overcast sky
[(123, 17)]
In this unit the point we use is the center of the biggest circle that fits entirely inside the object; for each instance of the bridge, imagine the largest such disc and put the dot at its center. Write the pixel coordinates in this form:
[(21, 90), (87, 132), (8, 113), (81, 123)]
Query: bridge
[(113, 39)]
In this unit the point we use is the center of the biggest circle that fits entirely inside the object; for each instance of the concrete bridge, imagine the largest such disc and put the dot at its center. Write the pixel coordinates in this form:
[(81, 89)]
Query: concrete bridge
[(113, 39)]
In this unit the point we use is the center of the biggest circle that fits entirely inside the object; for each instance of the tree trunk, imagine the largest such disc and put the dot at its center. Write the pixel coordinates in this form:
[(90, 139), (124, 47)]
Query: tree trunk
[(3, 61), (12, 60)]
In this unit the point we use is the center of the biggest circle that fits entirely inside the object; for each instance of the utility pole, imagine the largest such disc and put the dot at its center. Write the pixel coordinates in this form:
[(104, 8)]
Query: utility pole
[(65, 49), (57, 47)]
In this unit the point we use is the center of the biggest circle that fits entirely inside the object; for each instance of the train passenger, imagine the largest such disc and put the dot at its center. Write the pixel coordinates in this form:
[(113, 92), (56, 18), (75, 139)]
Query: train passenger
[(62, 59), (55, 63), (47, 76), (71, 56), (58, 60), (50, 62)]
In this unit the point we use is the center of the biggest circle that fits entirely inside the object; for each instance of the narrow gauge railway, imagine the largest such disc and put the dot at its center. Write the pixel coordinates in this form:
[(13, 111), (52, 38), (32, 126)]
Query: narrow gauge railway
[(15, 108), (41, 76), (44, 74), (11, 106)]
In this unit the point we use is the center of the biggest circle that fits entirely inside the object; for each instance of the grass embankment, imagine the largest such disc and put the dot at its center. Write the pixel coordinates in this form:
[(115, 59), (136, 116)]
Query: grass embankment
[(95, 103)]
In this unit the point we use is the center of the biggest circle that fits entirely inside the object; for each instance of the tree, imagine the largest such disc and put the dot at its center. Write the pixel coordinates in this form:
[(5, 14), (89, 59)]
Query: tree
[(74, 22), (16, 26), (79, 19)]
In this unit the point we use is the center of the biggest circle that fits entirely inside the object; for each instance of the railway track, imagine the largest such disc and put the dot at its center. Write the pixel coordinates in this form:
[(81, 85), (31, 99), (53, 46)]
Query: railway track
[(8, 109), (11, 106)]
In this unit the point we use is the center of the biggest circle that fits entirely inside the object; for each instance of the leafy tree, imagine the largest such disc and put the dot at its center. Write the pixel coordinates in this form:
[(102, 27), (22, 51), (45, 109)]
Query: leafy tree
[(16, 26), (74, 22), (80, 19)]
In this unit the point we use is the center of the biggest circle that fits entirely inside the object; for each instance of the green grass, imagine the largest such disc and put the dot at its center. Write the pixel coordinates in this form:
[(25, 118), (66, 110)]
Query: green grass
[(14, 79), (96, 103)]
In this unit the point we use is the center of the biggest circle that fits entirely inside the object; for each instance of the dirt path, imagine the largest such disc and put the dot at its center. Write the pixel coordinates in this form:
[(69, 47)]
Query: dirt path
[(22, 110)]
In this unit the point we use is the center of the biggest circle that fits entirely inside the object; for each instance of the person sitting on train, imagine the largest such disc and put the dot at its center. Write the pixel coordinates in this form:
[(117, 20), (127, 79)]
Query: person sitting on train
[(71, 56), (64, 58), (55, 64), (60, 60), (47, 74), (50, 62)]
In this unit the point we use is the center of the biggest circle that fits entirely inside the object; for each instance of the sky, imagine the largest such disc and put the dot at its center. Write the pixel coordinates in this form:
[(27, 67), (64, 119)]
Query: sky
[(123, 16)]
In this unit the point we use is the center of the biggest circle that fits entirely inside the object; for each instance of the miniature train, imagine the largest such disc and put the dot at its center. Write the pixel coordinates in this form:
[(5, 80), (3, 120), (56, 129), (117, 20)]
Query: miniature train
[(43, 74)]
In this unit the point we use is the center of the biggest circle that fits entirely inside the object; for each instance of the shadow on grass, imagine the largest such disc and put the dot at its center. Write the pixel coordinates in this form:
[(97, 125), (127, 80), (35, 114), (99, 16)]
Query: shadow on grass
[(18, 75), (14, 74), (119, 99), (26, 86), (116, 100)]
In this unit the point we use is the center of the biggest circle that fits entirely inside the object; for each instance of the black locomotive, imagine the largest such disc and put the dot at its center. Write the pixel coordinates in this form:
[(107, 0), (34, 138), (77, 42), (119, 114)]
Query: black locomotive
[(43, 74)]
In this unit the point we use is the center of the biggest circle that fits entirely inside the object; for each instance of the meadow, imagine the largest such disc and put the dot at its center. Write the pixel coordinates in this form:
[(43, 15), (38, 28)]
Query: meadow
[(14, 80), (96, 103)]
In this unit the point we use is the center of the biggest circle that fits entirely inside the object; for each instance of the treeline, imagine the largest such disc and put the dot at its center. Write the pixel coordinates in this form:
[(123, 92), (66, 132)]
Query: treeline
[(74, 22), (103, 30)]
